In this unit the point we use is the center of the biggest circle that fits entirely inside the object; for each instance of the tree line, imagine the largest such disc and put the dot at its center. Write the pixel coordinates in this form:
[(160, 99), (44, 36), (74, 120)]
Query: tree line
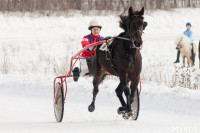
[(50, 6)]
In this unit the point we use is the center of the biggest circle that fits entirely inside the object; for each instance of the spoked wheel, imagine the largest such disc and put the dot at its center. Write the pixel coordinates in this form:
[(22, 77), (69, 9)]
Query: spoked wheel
[(135, 106), (59, 103)]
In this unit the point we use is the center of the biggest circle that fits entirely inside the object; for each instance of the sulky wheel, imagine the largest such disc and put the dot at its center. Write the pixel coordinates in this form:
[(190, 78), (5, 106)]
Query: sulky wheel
[(59, 103), (135, 106)]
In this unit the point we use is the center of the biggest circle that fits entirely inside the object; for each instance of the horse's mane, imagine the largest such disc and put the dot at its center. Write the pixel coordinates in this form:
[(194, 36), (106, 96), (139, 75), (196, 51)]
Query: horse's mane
[(184, 42), (184, 39), (122, 21), (124, 18)]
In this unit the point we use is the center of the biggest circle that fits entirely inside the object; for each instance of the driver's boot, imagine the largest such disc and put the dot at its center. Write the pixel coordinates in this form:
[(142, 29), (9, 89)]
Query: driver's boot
[(76, 73), (178, 56)]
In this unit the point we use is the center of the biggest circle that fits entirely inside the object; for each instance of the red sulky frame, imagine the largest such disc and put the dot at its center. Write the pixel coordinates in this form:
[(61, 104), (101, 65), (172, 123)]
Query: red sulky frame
[(72, 63)]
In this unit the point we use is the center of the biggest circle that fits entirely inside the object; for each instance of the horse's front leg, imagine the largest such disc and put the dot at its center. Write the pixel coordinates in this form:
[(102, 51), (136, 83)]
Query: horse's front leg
[(97, 78), (119, 92), (183, 61), (189, 61), (134, 87), (126, 90), (128, 97)]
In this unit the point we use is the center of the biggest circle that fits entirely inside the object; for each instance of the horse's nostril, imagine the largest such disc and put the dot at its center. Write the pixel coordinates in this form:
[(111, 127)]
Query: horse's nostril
[(138, 43), (135, 42)]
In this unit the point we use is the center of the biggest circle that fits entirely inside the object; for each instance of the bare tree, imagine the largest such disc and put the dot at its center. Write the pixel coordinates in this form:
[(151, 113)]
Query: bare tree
[(52, 6)]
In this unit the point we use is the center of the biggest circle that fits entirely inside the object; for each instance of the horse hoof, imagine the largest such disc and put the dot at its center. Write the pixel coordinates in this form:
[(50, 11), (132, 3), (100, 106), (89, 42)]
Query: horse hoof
[(91, 108), (127, 115), (121, 110), (130, 113)]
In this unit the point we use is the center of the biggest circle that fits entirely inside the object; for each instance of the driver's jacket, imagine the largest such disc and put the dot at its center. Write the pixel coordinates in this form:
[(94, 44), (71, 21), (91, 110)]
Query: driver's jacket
[(88, 40)]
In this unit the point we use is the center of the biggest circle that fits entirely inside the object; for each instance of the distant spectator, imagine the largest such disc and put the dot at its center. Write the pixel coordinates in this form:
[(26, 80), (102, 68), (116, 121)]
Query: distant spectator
[(189, 34)]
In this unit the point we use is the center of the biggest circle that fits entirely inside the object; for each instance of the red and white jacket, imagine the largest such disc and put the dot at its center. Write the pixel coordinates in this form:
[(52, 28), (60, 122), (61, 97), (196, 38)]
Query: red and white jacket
[(88, 40)]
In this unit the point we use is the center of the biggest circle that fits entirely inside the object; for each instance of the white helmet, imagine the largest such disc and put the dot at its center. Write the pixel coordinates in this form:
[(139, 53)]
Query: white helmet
[(94, 23)]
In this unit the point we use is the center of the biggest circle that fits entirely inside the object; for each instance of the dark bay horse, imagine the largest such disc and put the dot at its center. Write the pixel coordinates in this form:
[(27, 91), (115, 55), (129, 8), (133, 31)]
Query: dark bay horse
[(126, 58), (199, 53)]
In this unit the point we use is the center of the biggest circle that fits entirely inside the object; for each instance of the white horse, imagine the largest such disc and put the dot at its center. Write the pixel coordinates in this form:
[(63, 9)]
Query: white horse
[(183, 44)]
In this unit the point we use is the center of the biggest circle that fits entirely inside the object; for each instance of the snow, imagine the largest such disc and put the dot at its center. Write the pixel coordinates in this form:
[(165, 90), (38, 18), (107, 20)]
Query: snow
[(35, 49)]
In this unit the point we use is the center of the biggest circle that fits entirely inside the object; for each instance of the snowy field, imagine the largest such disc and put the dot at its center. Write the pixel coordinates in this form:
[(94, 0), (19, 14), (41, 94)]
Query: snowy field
[(35, 49)]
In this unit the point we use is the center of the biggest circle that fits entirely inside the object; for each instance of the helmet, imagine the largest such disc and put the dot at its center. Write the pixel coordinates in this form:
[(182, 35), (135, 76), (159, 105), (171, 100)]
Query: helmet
[(94, 23), (188, 23)]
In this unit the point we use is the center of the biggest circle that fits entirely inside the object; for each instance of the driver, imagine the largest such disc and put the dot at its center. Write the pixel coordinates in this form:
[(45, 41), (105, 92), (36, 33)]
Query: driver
[(95, 28), (94, 36)]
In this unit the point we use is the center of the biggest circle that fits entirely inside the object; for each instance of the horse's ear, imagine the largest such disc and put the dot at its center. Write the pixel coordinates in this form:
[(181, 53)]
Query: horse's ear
[(144, 25), (142, 11), (130, 11)]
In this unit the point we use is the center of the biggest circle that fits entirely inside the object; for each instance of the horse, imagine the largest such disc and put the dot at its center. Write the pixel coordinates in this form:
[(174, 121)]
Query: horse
[(183, 44), (125, 61)]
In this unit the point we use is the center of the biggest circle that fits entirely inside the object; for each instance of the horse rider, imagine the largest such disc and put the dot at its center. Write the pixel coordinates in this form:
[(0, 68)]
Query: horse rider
[(94, 36), (189, 34)]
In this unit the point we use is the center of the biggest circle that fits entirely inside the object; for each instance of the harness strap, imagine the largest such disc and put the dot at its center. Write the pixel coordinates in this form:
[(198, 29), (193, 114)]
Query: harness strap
[(111, 62), (123, 38), (110, 52), (127, 39)]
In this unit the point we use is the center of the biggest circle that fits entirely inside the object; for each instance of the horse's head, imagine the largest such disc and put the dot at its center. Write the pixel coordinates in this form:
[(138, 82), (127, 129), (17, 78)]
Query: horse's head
[(134, 24), (178, 43)]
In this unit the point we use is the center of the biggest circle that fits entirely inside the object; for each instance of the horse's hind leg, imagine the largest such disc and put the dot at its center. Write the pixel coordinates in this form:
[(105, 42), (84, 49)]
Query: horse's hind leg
[(97, 78)]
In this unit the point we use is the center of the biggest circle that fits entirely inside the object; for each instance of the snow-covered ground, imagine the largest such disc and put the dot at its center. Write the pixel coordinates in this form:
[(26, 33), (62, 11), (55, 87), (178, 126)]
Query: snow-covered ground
[(33, 50)]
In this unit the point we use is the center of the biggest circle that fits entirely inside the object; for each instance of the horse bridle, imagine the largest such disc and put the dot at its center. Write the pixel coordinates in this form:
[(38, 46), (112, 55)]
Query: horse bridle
[(133, 42)]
